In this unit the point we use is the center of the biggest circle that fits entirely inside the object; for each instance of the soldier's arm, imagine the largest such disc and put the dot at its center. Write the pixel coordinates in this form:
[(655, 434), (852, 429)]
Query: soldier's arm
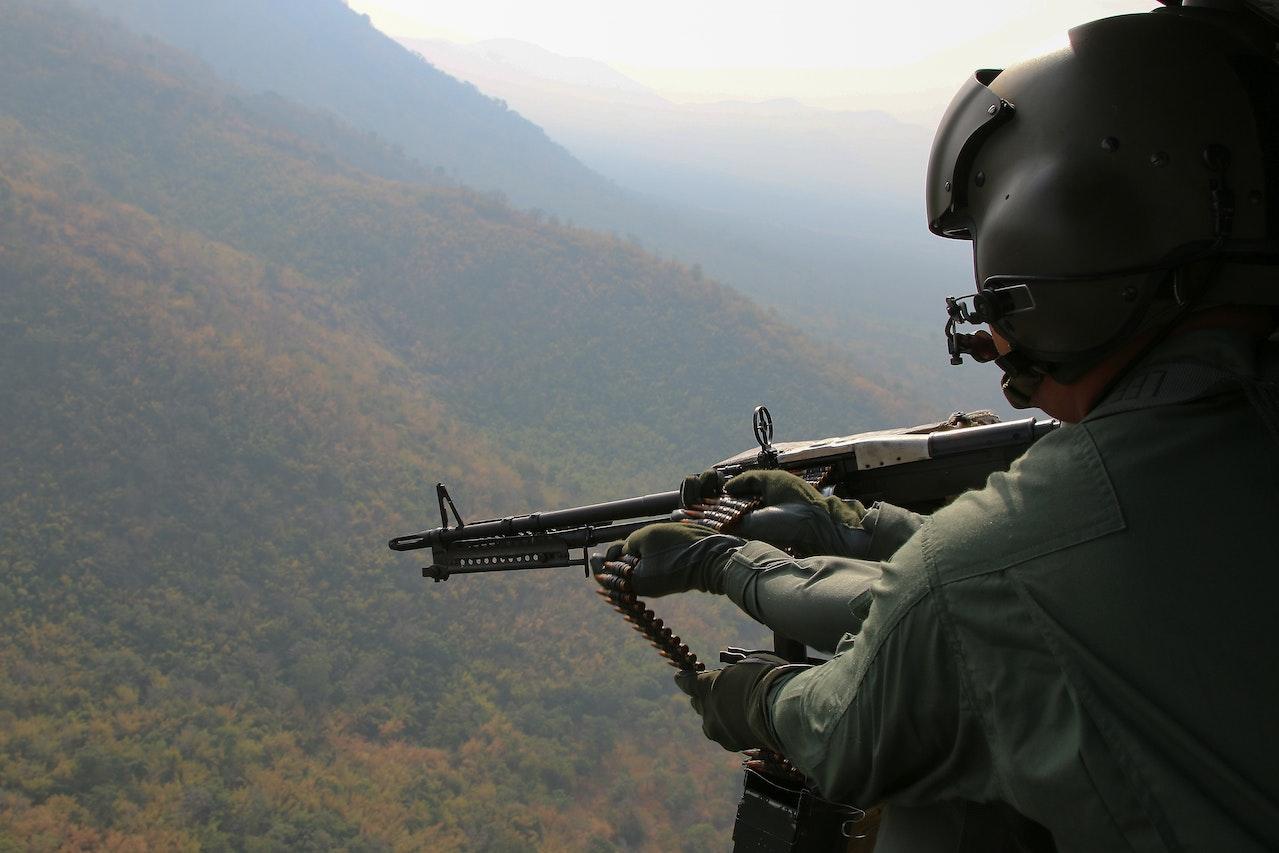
[(817, 600), (888, 716)]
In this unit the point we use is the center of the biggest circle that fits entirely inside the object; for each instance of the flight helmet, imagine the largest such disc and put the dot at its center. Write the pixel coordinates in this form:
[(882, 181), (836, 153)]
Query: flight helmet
[(1109, 187)]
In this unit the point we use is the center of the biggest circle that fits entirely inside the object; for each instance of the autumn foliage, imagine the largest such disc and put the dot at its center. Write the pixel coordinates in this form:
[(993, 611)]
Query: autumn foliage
[(231, 363)]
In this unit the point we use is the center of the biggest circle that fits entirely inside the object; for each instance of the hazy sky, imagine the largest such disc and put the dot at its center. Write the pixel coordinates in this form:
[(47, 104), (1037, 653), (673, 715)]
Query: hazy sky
[(821, 51)]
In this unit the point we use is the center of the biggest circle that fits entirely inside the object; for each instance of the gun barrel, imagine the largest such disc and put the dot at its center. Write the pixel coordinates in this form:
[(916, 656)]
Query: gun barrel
[(658, 504), (1025, 431)]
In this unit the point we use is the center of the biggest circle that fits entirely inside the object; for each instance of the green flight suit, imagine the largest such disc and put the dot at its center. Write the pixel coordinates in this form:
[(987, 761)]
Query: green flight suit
[(817, 600), (1089, 638)]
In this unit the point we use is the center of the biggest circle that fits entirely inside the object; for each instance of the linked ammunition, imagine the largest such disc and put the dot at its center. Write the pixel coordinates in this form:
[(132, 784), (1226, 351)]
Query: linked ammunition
[(615, 577)]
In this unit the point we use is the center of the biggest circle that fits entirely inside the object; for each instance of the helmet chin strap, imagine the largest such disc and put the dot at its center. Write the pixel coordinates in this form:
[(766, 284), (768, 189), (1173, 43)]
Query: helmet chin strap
[(1018, 390), (1021, 378)]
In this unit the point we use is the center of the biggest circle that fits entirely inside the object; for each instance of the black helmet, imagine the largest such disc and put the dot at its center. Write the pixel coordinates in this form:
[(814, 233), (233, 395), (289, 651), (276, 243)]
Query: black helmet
[(1111, 184)]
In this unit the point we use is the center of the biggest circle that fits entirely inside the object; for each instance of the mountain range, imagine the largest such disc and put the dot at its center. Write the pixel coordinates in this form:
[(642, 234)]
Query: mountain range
[(615, 123), (814, 213), (242, 335)]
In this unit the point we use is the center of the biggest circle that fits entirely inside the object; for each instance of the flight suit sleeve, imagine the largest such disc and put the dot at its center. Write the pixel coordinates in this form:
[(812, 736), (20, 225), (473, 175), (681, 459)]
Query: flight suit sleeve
[(816, 600), (890, 527), (888, 716)]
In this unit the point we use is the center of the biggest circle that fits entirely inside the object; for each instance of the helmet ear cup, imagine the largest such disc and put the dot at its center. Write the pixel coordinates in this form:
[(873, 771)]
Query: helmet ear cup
[(1078, 319)]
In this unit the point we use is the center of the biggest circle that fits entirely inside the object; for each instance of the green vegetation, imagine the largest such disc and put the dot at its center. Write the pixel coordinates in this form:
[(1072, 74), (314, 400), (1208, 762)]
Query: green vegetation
[(237, 347)]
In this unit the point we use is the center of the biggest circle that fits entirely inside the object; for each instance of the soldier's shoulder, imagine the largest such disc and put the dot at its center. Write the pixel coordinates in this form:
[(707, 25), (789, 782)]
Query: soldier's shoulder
[(1057, 495)]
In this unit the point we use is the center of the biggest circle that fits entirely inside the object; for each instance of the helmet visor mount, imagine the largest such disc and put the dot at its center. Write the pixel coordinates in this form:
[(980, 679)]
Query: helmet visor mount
[(974, 113), (981, 308)]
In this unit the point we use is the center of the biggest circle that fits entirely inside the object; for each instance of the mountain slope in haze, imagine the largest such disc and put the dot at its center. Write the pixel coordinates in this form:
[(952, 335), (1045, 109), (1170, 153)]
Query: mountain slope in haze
[(234, 360), (850, 280), (526, 328), (320, 53), (528, 60), (820, 210), (612, 122)]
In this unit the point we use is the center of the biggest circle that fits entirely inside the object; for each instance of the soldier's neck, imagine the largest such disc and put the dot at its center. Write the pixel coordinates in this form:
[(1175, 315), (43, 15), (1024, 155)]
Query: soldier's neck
[(1070, 403)]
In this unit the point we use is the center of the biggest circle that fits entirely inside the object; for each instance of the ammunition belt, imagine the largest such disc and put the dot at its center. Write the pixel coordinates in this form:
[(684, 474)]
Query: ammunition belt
[(718, 515)]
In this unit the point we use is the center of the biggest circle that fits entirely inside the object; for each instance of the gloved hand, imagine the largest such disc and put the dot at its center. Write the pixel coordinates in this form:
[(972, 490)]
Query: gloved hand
[(795, 515), (677, 557), (733, 702)]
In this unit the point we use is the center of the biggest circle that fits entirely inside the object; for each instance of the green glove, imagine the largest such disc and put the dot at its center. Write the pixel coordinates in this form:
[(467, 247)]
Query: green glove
[(795, 515), (677, 557), (733, 702)]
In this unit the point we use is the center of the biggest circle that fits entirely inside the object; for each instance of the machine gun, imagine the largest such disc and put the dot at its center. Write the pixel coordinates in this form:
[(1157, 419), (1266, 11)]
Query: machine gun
[(918, 468)]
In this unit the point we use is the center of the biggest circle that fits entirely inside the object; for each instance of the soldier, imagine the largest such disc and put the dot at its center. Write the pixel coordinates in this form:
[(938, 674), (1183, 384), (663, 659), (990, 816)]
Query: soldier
[(1088, 640)]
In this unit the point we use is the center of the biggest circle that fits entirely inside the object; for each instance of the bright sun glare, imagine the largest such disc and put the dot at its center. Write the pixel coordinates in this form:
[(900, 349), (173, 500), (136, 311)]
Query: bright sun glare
[(815, 51)]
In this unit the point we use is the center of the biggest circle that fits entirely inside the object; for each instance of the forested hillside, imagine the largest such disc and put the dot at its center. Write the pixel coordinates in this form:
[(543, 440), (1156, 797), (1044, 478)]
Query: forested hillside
[(239, 340), (322, 54), (840, 261), (525, 325), (204, 640)]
